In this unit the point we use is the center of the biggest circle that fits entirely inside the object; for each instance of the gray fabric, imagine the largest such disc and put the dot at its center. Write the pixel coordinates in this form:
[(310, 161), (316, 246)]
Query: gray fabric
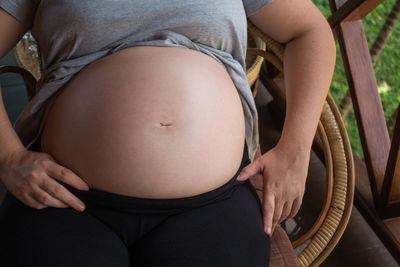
[(73, 33)]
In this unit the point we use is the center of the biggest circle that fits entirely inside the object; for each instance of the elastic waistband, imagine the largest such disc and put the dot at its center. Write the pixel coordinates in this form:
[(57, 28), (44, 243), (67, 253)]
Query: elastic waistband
[(97, 198)]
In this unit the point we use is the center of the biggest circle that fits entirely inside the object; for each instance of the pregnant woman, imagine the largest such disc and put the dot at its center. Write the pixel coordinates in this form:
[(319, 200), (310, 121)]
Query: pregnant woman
[(129, 153)]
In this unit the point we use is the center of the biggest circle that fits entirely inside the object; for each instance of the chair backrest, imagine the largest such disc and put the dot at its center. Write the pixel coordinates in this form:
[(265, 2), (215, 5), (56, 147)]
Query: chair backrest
[(27, 55)]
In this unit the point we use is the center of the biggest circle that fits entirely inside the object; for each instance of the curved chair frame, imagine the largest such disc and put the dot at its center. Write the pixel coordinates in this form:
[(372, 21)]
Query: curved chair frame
[(320, 240)]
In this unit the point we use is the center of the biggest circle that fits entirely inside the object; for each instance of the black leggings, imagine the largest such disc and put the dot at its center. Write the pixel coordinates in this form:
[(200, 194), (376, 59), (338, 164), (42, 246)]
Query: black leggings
[(222, 227)]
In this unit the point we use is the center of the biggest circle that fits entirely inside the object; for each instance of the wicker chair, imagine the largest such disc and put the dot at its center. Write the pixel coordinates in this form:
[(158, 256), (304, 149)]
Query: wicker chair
[(320, 240)]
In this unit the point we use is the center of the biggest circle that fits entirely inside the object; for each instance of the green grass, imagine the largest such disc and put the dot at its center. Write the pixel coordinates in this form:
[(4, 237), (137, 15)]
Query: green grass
[(387, 68)]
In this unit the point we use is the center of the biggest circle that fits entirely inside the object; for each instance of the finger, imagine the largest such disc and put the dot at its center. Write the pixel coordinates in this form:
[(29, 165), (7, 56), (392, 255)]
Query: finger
[(59, 192), (45, 199), (260, 195), (66, 176), (33, 203), (287, 208), (295, 208), (277, 213), (268, 212), (252, 169), (257, 181)]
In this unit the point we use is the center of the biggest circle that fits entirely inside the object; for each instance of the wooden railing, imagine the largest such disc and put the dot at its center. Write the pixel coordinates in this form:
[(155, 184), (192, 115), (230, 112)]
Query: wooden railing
[(364, 93), (382, 160), (378, 177)]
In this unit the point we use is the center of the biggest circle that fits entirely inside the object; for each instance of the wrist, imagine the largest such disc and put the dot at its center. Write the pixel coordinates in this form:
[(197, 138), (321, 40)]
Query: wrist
[(294, 157), (294, 146), (4, 157)]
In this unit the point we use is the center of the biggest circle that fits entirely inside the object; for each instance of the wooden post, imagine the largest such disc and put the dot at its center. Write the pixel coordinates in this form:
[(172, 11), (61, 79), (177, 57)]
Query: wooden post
[(391, 189), (366, 102)]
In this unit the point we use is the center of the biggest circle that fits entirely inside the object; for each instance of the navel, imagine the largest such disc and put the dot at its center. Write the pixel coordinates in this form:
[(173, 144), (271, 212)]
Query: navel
[(165, 124)]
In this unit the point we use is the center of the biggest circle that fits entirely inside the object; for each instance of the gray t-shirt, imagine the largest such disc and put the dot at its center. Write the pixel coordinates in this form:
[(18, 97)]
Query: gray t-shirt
[(73, 33)]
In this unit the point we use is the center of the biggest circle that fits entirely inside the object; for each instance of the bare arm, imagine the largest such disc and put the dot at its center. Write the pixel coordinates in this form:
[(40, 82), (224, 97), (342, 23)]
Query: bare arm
[(11, 31), (30, 176), (309, 60)]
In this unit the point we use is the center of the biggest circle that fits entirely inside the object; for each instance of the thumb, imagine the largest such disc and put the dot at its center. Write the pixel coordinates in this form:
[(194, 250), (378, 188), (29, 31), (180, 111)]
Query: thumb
[(250, 170)]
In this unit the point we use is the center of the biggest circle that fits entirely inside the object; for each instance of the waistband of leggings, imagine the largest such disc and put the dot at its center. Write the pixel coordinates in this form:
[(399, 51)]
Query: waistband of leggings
[(96, 198)]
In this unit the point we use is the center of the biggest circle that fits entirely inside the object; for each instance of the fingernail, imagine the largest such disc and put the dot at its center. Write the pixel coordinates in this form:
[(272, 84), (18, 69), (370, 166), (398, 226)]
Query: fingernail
[(81, 206), (86, 187), (268, 230), (240, 176)]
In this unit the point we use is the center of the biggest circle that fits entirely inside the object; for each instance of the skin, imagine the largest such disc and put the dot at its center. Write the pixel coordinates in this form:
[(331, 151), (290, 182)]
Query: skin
[(309, 60), (197, 108), (308, 66), (26, 174)]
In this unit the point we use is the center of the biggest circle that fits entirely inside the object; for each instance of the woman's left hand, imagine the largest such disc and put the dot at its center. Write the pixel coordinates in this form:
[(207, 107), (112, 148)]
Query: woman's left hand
[(284, 173)]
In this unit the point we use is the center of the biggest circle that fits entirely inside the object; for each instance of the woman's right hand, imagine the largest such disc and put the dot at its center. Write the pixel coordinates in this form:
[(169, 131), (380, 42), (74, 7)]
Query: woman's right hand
[(30, 177)]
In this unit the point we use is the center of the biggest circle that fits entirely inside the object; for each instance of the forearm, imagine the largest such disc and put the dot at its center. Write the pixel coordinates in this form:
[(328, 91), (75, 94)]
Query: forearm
[(11, 30), (9, 141), (309, 62)]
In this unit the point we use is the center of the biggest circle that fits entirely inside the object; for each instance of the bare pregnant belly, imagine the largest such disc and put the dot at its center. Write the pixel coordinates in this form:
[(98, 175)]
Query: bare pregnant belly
[(150, 122)]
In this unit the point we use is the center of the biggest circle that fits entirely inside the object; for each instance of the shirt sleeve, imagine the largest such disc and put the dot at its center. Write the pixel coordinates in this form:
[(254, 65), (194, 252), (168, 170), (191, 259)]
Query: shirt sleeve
[(23, 10), (252, 6)]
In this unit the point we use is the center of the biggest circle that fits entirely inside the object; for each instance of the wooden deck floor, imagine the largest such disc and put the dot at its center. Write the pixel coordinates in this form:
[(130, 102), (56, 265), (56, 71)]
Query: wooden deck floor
[(359, 245)]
